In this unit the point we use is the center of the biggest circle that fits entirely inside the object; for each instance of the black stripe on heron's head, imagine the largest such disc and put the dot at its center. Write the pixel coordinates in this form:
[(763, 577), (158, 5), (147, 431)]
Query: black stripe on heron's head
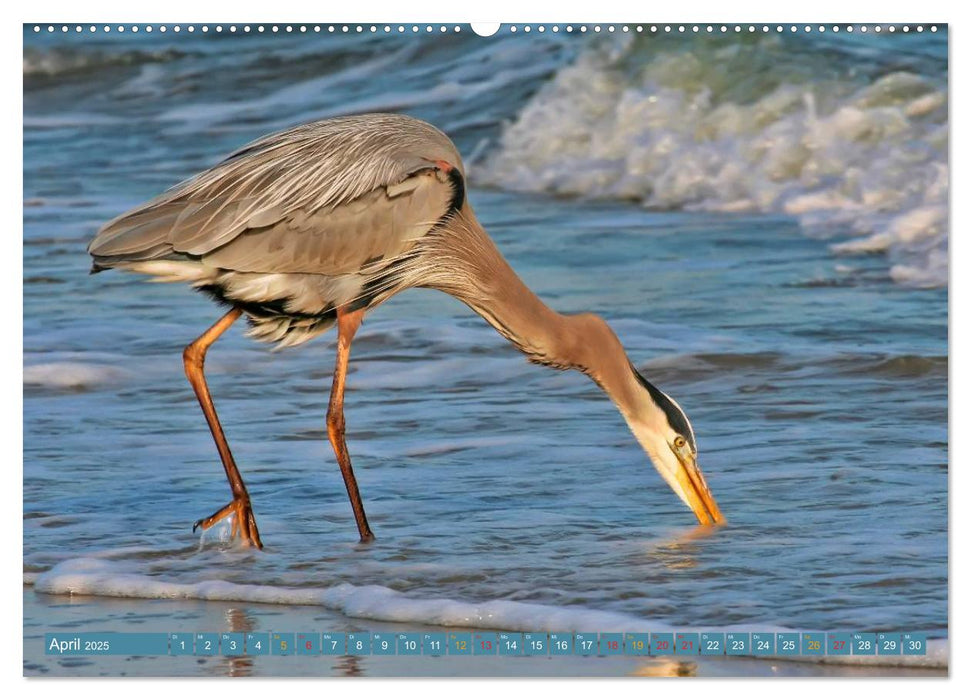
[(676, 418), (458, 190), (457, 183)]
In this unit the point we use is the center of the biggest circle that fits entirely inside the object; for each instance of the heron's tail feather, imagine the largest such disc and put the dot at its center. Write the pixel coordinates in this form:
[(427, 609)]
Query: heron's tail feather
[(137, 236)]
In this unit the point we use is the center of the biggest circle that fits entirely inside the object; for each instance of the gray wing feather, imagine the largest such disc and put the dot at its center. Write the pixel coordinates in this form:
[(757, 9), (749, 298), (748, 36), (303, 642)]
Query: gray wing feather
[(339, 240), (311, 199)]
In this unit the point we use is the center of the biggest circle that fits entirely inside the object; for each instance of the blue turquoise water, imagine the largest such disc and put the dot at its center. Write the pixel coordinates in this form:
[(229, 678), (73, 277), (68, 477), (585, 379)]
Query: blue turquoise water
[(762, 220)]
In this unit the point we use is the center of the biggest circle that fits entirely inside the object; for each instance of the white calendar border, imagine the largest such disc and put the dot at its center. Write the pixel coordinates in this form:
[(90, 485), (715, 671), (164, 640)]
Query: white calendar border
[(603, 11)]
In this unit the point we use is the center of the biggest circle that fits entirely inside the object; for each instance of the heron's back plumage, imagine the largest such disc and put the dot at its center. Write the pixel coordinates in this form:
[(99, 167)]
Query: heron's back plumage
[(298, 223)]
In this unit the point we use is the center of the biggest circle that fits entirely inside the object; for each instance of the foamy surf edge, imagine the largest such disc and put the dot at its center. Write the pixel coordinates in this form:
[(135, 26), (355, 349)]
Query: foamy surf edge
[(641, 119), (98, 577)]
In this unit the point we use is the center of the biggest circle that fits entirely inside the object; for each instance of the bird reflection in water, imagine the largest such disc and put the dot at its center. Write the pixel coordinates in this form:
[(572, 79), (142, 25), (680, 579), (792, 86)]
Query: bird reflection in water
[(349, 666), (237, 621), (679, 552), (667, 668)]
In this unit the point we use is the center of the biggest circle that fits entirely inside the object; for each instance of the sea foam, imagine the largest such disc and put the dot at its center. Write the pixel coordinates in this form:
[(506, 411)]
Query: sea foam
[(71, 376), (746, 127), (98, 577)]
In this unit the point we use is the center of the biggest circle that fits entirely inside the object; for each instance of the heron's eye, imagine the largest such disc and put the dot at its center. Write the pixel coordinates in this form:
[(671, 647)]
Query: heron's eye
[(680, 442)]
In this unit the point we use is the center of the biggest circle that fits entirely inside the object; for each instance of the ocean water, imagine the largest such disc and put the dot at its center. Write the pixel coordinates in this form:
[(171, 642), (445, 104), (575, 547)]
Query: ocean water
[(763, 220)]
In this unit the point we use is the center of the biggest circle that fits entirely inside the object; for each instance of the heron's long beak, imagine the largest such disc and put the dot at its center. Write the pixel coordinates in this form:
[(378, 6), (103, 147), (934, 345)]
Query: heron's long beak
[(699, 495)]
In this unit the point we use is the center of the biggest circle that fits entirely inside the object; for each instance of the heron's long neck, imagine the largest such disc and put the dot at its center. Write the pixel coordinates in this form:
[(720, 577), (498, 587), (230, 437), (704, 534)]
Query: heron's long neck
[(469, 267)]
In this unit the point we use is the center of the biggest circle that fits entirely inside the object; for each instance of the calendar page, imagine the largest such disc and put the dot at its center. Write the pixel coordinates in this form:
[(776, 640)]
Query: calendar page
[(535, 350)]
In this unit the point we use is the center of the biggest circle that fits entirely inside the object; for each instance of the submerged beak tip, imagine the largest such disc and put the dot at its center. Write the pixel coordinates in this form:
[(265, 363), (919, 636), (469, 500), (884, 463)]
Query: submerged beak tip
[(701, 500)]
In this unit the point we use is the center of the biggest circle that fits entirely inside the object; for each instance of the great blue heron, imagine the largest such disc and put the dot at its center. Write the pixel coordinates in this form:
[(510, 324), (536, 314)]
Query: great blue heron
[(318, 224)]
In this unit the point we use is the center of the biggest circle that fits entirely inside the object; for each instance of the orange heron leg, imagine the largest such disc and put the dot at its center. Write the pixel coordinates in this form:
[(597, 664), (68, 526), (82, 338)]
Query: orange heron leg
[(347, 324), (194, 357)]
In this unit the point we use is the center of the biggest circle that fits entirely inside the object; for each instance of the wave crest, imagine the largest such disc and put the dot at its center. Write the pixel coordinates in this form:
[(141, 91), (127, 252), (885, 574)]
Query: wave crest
[(63, 61), (746, 127)]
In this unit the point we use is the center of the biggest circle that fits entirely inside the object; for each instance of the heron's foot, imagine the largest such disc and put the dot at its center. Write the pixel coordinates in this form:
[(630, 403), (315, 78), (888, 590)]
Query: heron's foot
[(244, 522)]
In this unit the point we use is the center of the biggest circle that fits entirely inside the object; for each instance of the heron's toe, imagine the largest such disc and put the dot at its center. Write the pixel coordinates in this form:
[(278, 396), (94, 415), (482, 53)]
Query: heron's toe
[(243, 526)]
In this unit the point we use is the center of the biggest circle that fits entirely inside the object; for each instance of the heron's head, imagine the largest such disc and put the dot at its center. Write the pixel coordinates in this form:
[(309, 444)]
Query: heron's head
[(664, 432)]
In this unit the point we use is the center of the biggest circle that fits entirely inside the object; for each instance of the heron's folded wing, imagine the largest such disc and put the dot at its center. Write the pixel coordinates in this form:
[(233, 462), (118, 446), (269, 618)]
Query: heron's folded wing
[(138, 235), (162, 227), (342, 239), (276, 184)]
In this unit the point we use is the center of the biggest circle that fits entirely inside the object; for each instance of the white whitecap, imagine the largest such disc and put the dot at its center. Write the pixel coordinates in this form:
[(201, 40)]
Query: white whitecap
[(74, 376)]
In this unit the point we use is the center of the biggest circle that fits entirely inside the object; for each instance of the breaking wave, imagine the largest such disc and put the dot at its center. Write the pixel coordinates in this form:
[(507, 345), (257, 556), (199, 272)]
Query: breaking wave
[(748, 126)]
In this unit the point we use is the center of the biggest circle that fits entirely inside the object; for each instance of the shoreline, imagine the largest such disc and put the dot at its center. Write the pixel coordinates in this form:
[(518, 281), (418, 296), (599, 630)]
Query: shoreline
[(52, 613)]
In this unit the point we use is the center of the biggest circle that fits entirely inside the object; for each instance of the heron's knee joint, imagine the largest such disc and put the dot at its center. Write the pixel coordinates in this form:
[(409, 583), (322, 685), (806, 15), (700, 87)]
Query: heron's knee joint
[(193, 355)]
